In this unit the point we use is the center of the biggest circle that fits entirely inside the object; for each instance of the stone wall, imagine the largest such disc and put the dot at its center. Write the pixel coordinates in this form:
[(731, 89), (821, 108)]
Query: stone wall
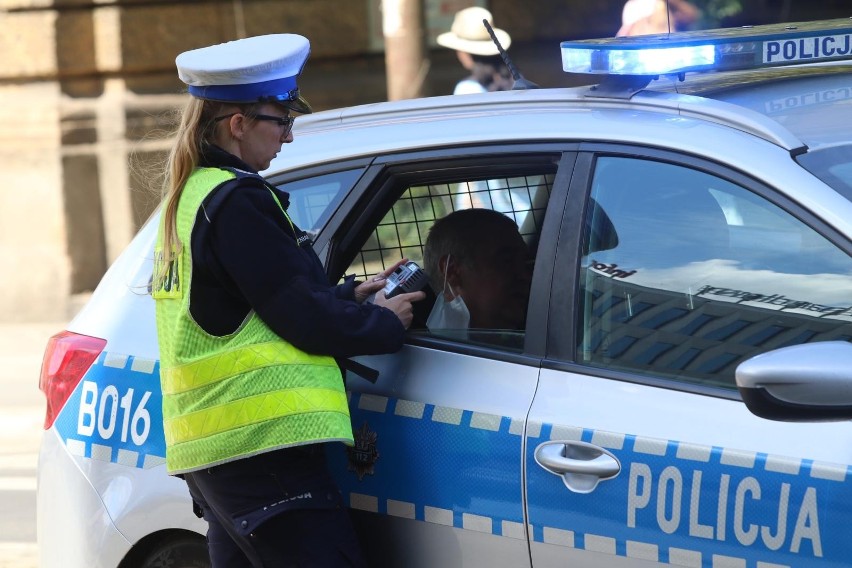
[(33, 231)]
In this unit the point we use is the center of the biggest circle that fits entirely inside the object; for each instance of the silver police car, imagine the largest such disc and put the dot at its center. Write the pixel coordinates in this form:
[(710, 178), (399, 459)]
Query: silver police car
[(692, 280)]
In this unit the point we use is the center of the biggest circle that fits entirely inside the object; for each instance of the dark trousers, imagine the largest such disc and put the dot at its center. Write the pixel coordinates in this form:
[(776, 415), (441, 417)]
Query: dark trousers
[(278, 509)]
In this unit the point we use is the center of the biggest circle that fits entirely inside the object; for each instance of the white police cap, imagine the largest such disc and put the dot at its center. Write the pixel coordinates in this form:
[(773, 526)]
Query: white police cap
[(255, 69)]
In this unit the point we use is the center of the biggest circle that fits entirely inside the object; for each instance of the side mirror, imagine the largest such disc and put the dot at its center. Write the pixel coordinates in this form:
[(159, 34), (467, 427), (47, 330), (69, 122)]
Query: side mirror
[(811, 382)]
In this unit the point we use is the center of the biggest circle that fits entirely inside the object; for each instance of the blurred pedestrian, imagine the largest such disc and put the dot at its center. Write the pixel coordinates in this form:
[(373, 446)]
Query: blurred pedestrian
[(477, 52), (643, 17)]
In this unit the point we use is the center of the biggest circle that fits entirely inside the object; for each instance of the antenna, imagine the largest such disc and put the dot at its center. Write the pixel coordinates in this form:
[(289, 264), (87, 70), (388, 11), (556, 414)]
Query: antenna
[(520, 82), (668, 18)]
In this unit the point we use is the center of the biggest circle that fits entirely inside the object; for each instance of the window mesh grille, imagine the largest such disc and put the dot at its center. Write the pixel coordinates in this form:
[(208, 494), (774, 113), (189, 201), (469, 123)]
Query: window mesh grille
[(403, 231)]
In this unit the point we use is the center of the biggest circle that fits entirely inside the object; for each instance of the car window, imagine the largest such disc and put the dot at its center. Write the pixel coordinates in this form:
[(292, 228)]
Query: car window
[(314, 199), (403, 230), (684, 275)]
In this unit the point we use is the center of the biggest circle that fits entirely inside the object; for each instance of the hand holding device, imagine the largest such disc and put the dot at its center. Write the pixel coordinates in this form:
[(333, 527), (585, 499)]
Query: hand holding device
[(406, 278)]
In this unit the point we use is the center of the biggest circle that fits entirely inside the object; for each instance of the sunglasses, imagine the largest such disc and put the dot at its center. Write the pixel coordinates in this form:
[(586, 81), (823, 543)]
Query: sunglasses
[(284, 121)]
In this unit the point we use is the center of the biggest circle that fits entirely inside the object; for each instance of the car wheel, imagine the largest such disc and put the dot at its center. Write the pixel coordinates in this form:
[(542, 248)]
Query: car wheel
[(180, 552)]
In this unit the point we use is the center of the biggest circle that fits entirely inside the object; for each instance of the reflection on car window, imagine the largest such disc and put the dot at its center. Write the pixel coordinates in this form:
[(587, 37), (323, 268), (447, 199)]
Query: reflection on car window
[(404, 230), (314, 199), (700, 274)]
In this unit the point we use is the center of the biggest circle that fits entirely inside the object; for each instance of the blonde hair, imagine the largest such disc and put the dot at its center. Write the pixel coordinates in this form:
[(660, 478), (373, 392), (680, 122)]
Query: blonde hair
[(196, 130)]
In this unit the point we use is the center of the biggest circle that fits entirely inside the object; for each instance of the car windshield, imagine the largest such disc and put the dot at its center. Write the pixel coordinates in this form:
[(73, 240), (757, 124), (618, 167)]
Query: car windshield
[(813, 102), (833, 165)]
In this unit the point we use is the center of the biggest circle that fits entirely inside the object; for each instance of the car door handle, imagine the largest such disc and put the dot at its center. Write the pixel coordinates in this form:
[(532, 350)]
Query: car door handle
[(580, 465)]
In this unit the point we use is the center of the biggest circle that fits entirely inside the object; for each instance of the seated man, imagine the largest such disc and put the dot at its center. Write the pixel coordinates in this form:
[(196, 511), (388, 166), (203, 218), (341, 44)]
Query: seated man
[(480, 269)]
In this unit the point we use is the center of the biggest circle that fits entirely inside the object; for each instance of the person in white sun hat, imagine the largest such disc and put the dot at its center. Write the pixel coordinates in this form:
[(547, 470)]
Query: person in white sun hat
[(249, 329), (477, 52), (643, 17)]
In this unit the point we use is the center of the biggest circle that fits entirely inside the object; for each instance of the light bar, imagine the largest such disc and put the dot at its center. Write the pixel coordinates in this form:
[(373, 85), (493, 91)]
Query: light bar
[(718, 50)]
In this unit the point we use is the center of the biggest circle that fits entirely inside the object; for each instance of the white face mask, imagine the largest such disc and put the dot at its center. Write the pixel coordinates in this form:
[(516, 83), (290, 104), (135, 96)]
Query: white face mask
[(448, 315)]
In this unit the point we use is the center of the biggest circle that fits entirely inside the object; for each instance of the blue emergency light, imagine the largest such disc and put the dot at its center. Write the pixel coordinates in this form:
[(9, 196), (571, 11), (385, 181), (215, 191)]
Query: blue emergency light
[(717, 50)]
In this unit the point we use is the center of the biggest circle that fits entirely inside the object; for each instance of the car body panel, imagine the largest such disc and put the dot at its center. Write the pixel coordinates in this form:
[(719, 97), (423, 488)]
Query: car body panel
[(122, 296), (694, 498), (64, 491), (438, 440), (111, 426)]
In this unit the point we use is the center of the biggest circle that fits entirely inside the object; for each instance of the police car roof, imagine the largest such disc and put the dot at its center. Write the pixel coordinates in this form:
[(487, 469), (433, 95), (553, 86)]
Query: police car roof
[(542, 114)]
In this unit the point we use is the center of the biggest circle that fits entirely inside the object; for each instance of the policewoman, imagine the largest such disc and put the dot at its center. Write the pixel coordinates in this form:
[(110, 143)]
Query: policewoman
[(249, 327)]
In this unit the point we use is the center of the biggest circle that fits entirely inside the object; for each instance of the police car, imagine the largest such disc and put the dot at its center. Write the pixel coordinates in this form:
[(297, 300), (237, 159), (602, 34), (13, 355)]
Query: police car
[(692, 235)]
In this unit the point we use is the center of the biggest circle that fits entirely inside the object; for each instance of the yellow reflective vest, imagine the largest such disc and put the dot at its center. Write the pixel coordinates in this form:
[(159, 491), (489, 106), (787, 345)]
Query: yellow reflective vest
[(235, 396)]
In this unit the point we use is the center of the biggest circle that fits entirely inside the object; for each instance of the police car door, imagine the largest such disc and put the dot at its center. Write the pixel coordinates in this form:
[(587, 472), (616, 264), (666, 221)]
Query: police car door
[(435, 477), (639, 450)]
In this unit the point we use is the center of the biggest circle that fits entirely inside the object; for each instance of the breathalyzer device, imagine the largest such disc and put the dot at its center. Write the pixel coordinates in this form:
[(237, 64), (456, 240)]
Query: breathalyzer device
[(408, 277)]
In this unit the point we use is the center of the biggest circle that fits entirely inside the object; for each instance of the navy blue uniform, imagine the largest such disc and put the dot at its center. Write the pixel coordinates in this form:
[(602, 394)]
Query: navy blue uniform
[(281, 508), (245, 257)]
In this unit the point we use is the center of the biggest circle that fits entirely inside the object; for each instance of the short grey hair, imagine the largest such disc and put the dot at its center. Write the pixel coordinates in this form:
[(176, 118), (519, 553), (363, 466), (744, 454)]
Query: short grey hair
[(461, 234)]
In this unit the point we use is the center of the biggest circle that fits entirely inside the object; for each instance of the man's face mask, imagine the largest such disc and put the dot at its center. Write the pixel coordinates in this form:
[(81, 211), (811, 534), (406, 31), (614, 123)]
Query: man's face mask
[(448, 315)]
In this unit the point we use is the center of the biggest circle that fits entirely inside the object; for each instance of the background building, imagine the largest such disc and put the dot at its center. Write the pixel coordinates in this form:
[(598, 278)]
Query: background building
[(88, 90)]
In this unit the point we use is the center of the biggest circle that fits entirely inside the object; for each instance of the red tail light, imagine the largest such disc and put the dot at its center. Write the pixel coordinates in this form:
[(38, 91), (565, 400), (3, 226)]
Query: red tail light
[(66, 359)]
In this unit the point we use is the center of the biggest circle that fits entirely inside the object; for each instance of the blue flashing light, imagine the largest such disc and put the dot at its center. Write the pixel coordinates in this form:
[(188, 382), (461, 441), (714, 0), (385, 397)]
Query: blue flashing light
[(722, 49), (650, 61)]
